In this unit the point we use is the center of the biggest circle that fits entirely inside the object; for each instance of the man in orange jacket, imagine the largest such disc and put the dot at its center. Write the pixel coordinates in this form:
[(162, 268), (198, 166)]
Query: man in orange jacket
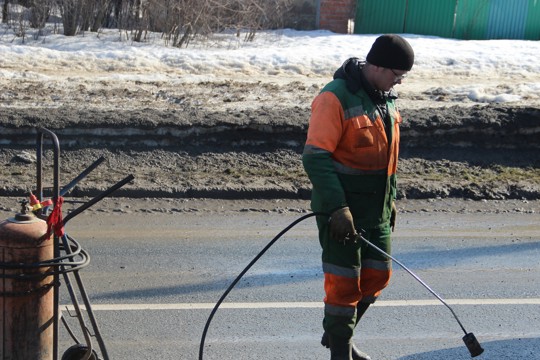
[(351, 156)]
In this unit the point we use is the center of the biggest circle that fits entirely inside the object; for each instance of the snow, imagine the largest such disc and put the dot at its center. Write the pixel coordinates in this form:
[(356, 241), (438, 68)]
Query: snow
[(487, 71)]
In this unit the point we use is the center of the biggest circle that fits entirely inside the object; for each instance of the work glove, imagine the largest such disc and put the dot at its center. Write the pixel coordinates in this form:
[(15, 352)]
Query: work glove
[(393, 216), (342, 225)]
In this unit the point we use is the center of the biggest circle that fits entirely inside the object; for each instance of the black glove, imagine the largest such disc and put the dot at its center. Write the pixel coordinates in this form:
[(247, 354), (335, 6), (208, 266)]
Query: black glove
[(342, 225)]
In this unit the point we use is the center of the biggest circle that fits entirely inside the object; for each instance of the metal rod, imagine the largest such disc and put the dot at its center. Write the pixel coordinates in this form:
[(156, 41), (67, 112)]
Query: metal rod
[(88, 306), (90, 314), (56, 241), (81, 176), (76, 303), (39, 166), (359, 236), (98, 198)]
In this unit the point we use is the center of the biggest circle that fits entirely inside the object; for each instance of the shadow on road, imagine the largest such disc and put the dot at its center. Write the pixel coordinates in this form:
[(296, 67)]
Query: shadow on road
[(523, 349), (249, 281), (426, 259)]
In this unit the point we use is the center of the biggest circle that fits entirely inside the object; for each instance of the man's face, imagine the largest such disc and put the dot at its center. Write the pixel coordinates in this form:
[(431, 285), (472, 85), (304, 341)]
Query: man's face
[(388, 78)]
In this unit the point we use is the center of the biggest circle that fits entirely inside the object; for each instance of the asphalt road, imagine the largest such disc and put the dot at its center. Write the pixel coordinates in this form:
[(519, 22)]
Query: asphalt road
[(155, 277)]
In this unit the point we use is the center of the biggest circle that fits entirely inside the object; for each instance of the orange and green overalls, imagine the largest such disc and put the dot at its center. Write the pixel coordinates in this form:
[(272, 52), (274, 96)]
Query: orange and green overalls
[(351, 161)]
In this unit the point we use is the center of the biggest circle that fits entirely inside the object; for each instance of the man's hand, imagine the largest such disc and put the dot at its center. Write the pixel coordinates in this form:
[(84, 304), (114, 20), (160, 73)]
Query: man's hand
[(342, 225), (393, 216)]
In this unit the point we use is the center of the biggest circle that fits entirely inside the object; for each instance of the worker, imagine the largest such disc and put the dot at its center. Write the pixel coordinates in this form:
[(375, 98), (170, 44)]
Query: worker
[(351, 156)]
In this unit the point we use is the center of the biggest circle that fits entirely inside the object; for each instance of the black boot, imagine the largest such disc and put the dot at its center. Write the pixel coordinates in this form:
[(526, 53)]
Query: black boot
[(361, 309), (340, 348), (356, 354)]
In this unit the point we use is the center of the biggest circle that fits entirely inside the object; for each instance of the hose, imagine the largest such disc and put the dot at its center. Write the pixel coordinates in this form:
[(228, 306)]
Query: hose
[(470, 340), (255, 259), (56, 266)]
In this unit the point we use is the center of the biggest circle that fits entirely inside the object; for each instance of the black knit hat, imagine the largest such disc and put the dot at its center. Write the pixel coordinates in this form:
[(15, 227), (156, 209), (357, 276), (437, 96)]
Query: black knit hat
[(392, 52)]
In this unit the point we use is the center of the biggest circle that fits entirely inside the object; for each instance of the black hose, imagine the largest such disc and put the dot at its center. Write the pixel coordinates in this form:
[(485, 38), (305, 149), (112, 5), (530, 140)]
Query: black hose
[(282, 232), (55, 266), (471, 342)]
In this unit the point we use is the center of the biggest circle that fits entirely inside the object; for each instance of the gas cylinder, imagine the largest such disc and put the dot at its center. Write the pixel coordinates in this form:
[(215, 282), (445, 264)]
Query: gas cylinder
[(26, 291)]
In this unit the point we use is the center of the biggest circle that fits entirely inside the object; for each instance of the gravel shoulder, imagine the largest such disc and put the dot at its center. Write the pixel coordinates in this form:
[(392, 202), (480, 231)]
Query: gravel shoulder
[(116, 206)]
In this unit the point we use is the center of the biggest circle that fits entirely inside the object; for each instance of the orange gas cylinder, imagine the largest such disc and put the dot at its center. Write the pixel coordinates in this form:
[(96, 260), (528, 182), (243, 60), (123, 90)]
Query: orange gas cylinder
[(26, 295)]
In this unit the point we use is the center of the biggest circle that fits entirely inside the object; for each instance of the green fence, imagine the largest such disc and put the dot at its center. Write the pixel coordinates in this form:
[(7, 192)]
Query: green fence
[(462, 19)]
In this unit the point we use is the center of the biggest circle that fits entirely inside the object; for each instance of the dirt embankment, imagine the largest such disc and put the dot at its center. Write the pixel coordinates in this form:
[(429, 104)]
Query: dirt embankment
[(245, 142), (483, 152)]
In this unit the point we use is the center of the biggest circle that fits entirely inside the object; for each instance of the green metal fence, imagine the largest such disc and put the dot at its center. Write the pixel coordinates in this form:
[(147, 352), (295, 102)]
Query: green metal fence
[(462, 19)]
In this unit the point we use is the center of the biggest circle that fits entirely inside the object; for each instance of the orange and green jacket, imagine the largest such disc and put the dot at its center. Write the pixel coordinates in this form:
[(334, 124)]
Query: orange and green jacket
[(348, 157)]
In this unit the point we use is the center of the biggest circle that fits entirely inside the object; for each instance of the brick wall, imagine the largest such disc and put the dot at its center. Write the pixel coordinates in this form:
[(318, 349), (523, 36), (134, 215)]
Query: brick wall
[(334, 15)]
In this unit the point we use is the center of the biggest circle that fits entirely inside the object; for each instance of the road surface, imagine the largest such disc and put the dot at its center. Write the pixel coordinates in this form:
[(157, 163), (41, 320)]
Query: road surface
[(156, 274)]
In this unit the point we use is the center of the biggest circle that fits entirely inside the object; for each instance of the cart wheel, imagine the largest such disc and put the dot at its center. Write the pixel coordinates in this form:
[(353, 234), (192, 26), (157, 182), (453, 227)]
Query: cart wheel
[(76, 352)]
